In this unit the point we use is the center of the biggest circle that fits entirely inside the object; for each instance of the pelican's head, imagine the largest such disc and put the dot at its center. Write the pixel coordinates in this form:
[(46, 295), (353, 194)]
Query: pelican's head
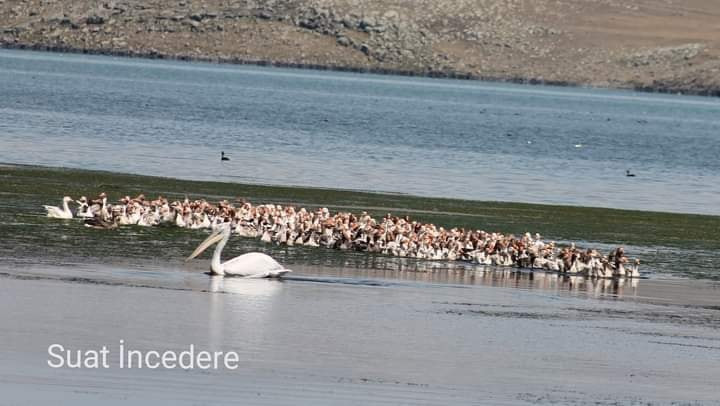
[(216, 236), (67, 199)]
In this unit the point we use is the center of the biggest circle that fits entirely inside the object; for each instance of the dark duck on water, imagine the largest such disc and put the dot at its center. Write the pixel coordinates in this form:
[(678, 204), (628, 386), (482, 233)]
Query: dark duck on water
[(223, 157), (100, 223)]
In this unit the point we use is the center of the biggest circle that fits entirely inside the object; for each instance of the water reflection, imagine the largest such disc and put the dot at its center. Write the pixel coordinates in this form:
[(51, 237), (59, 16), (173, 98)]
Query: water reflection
[(255, 288), (239, 306), (506, 278), (360, 267)]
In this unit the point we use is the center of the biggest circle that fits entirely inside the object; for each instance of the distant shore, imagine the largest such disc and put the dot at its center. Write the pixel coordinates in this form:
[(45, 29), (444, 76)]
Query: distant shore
[(649, 47), (439, 74)]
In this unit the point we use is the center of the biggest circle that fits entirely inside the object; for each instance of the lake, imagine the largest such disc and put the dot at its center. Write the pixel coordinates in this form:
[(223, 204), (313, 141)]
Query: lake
[(347, 327), (427, 137)]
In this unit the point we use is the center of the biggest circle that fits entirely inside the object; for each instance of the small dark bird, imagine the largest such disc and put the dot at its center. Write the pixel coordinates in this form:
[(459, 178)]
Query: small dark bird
[(628, 174), (99, 223), (223, 157)]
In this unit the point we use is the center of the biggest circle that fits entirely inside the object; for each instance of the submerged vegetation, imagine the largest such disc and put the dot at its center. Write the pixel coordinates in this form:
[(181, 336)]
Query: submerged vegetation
[(667, 242)]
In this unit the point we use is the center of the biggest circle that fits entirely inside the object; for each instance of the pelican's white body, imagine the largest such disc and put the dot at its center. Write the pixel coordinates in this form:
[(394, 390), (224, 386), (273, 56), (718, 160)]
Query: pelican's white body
[(251, 265)]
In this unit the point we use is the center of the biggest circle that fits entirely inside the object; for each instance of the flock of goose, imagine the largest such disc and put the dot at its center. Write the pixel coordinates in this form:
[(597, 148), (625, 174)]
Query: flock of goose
[(391, 235)]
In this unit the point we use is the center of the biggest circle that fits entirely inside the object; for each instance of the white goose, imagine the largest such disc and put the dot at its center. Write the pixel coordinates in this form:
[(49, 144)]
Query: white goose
[(632, 270), (251, 265), (83, 209), (58, 213), (100, 209)]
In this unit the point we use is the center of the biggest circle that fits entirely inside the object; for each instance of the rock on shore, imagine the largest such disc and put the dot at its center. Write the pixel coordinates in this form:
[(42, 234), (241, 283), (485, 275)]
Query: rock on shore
[(649, 44)]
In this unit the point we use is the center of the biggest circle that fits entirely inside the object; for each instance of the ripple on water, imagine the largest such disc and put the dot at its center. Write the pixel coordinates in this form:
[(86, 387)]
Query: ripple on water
[(341, 122)]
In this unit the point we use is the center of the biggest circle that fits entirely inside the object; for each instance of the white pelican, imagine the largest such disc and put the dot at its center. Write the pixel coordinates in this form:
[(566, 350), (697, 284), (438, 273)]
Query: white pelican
[(251, 265), (58, 213)]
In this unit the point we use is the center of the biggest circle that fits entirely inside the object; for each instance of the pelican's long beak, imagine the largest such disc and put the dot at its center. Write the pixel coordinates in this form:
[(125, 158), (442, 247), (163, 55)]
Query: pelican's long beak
[(212, 239)]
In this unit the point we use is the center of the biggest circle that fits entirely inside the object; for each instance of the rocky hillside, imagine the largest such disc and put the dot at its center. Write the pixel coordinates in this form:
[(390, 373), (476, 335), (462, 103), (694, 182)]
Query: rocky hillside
[(667, 45)]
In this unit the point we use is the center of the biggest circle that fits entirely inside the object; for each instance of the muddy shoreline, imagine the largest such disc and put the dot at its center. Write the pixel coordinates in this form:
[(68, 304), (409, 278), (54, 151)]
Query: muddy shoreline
[(648, 47)]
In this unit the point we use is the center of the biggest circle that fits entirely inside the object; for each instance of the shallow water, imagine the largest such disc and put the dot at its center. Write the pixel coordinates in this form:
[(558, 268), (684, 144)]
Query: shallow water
[(344, 328), (353, 131), (334, 336), (687, 248)]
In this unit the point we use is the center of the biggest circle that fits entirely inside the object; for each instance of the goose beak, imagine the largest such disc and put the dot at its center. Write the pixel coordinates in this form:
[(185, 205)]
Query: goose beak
[(212, 239)]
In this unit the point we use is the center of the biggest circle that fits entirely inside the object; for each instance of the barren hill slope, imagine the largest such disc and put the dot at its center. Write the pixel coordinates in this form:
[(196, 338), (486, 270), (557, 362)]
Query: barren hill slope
[(670, 45)]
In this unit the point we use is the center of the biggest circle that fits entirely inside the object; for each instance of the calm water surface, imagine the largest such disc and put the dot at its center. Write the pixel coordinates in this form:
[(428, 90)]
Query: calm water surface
[(338, 336), (410, 135)]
